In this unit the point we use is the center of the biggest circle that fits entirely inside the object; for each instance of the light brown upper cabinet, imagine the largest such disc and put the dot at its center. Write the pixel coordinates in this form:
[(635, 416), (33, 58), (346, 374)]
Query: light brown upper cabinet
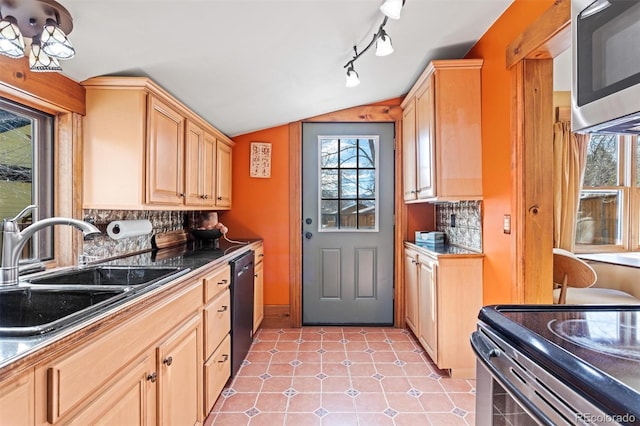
[(143, 149), (442, 146)]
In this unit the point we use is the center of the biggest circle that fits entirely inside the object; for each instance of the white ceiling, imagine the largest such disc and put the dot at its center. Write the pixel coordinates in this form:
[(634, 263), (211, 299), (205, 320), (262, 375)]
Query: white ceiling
[(246, 65)]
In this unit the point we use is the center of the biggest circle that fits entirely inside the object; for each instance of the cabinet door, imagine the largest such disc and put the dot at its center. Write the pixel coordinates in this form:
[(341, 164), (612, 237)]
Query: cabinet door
[(179, 368), (17, 406), (208, 170), (411, 289), (409, 151), (194, 160), (258, 296), (165, 156), (130, 400), (223, 175), (428, 307), (425, 124)]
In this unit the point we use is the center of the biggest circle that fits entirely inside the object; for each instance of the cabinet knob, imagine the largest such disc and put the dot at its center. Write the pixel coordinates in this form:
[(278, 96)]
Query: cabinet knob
[(168, 361), (255, 275), (219, 198), (152, 377), (223, 308), (181, 195), (225, 357)]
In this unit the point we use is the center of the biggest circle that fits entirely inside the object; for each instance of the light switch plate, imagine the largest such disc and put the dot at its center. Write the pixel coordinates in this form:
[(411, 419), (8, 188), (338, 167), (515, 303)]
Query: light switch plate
[(506, 224)]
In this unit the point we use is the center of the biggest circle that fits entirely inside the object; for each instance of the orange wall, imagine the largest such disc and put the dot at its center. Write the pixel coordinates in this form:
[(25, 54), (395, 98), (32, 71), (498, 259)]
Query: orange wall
[(261, 208), (496, 144)]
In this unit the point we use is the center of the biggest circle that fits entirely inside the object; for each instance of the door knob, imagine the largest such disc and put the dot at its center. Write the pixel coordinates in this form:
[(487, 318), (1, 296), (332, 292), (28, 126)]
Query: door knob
[(308, 235)]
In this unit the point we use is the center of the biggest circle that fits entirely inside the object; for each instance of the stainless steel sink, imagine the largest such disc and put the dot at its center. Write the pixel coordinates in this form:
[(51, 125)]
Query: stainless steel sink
[(106, 276), (27, 311)]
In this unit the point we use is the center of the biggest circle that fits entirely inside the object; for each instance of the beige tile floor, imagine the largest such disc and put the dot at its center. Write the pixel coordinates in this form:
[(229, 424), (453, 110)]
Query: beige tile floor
[(342, 376)]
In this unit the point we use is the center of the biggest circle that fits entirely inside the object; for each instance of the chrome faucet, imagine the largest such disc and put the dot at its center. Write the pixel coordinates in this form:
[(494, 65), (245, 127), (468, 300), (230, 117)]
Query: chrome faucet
[(13, 240)]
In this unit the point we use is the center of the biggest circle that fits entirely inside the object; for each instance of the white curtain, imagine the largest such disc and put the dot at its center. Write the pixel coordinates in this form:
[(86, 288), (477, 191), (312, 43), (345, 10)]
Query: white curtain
[(569, 162)]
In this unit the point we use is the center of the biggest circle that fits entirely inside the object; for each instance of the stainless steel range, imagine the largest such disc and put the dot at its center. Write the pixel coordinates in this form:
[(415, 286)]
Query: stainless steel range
[(558, 365)]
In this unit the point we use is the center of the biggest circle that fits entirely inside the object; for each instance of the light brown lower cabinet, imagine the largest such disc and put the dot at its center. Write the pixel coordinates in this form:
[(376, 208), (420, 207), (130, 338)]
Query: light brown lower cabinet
[(16, 400), (179, 360), (258, 295), (443, 298), (130, 400)]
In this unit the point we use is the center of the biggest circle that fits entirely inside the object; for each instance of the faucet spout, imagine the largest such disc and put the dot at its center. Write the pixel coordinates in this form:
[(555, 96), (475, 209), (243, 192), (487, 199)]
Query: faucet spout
[(13, 240)]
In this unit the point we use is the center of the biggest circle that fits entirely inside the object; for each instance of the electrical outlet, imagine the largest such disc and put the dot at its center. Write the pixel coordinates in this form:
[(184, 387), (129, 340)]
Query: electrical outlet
[(453, 220)]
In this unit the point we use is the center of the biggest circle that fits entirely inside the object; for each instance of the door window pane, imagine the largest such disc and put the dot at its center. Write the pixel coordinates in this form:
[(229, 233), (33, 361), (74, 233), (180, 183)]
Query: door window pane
[(348, 183)]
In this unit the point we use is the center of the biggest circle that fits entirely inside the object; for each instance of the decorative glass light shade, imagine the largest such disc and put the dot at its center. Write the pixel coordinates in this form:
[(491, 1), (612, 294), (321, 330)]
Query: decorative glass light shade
[(11, 41), (352, 77), (383, 45), (55, 42), (392, 8), (39, 61)]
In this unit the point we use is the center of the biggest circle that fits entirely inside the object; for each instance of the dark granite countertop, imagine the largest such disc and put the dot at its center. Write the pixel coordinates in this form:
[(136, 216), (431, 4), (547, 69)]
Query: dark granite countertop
[(444, 249), (191, 257)]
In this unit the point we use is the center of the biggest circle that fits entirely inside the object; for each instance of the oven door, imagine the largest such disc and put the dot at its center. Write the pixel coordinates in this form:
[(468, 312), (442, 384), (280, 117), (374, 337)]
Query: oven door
[(511, 389)]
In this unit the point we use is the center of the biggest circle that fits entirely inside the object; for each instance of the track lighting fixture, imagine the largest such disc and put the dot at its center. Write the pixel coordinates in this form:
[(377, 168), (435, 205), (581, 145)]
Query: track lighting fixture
[(45, 22), (391, 9)]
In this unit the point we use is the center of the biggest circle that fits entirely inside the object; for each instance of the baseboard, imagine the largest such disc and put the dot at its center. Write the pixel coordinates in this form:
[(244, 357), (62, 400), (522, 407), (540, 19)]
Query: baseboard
[(276, 316)]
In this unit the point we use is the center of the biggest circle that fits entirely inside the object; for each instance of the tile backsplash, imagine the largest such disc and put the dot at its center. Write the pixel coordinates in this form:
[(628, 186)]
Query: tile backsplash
[(104, 247), (461, 222)]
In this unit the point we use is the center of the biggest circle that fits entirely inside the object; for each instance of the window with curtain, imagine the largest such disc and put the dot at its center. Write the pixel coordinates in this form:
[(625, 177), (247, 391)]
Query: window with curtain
[(609, 208), (26, 171)]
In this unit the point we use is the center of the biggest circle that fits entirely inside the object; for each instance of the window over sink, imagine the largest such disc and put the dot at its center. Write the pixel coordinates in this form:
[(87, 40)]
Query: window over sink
[(26, 171)]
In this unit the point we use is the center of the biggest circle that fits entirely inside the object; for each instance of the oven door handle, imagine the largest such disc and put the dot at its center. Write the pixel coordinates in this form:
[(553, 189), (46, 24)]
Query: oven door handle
[(490, 355)]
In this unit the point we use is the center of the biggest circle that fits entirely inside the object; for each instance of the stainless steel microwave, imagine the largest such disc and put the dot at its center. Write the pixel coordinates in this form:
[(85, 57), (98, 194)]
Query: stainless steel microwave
[(605, 66)]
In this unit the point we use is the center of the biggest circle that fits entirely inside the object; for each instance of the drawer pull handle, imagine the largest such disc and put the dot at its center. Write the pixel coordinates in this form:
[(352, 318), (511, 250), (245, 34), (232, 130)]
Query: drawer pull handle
[(223, 308), (168, 361), (223, 282), (152, 377), (225, 357)]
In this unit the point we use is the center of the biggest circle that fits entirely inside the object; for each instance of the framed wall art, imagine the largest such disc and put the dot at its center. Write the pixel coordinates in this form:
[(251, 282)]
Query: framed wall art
[(260, 160)]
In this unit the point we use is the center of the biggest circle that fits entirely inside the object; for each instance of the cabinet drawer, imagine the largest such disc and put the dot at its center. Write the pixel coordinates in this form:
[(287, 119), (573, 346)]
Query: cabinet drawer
[(259, 254), (218, 281), (217, 371), (217, 321)]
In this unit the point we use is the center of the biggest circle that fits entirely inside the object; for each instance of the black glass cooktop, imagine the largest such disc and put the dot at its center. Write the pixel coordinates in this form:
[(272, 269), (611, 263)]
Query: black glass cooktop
[(593, 348)]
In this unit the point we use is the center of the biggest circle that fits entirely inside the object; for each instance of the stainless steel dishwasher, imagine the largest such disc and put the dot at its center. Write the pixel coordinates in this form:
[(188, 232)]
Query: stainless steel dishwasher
[(242, 270)]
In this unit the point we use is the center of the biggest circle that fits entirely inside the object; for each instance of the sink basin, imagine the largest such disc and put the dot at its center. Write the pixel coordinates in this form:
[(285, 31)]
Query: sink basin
[(26, 311), (107, 276)]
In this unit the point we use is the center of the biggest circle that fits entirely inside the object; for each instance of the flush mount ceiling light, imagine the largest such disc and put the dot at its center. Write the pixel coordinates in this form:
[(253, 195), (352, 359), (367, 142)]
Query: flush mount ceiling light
[(45, 22), (391, 9)]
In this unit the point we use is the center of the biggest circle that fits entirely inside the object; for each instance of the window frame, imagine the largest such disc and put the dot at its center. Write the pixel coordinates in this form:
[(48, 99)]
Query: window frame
[(376, 195), (43, 132), (630, 205)]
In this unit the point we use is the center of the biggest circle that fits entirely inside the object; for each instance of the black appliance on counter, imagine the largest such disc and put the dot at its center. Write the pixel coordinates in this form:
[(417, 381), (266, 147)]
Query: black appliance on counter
[(242, 274), (557, 365)]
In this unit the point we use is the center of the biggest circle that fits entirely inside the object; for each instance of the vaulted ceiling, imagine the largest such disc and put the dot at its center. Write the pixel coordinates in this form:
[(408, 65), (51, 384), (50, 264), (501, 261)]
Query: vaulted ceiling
[(246, 65)]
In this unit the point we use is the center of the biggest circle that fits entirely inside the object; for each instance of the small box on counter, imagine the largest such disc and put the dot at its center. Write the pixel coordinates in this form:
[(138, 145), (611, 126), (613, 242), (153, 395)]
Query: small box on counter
[(432, 238)]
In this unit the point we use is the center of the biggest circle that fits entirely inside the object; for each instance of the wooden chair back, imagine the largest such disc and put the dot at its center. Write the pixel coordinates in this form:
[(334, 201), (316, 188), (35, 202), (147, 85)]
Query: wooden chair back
[(570, 271)]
